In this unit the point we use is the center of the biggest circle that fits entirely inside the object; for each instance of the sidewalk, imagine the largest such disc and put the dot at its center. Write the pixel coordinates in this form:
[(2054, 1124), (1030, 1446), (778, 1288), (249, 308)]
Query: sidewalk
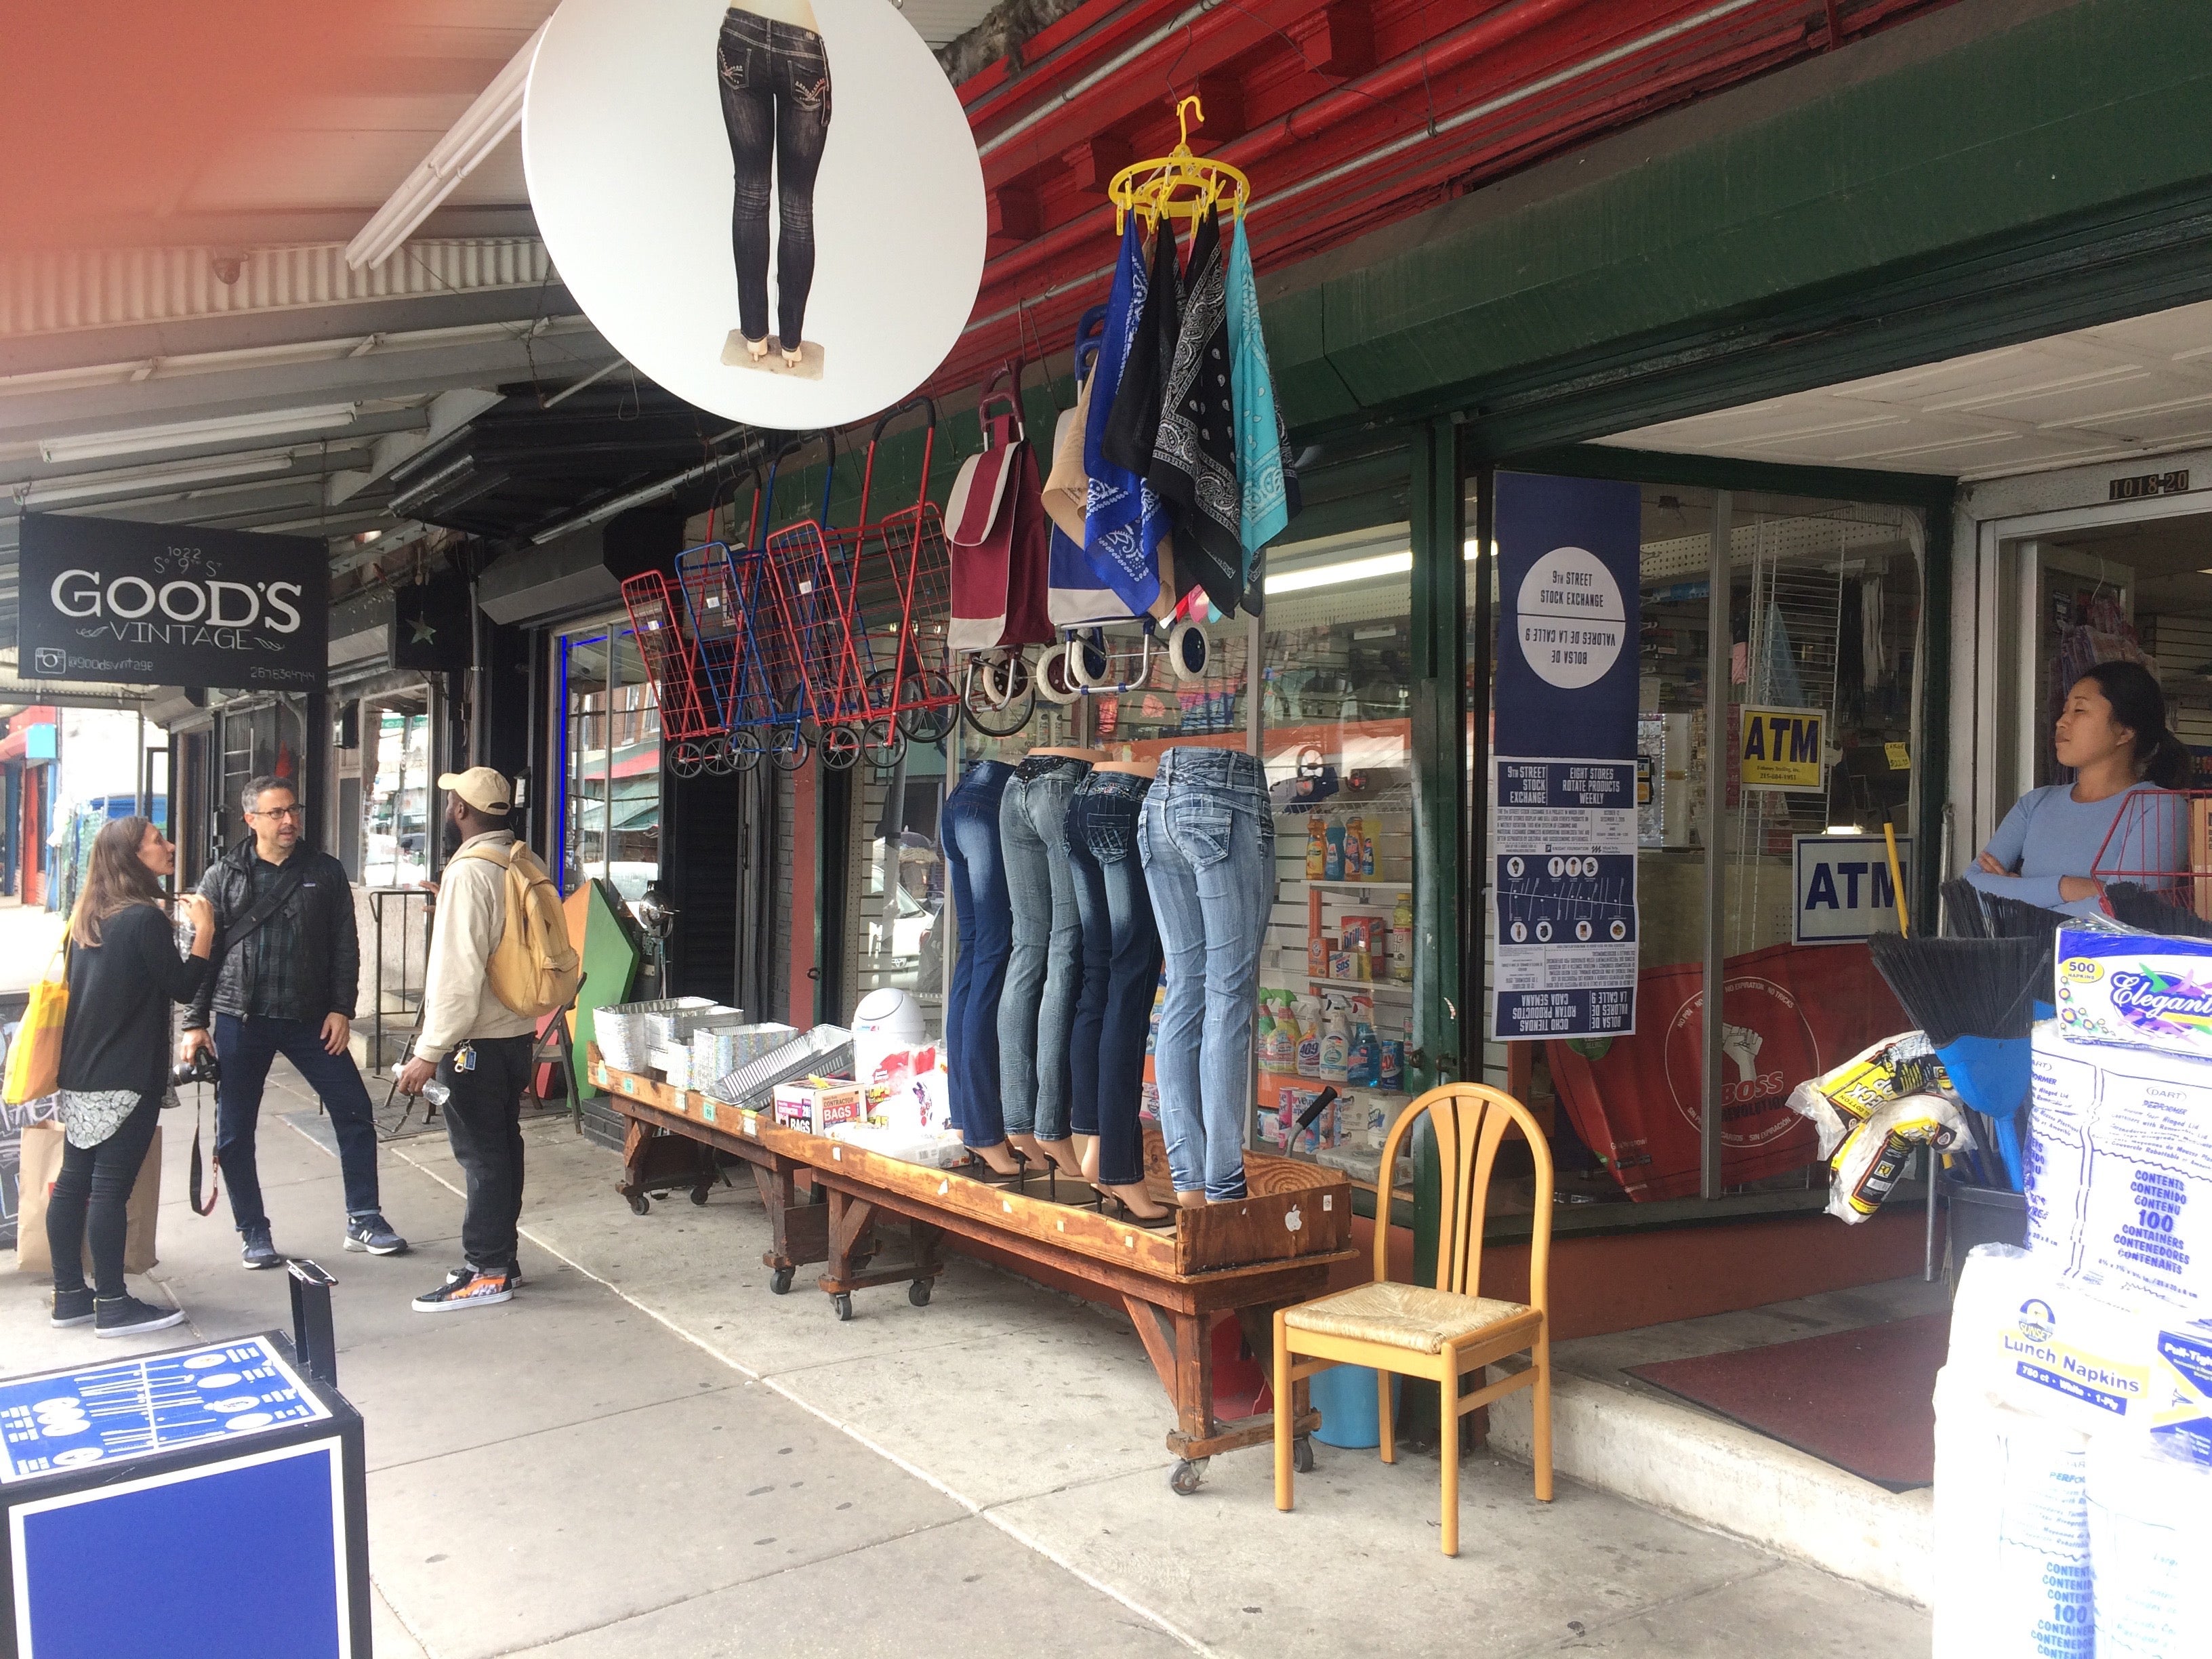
[(647, 1453)]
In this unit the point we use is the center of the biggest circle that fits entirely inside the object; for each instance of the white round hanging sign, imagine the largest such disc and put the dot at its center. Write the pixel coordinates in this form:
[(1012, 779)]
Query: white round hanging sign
[(1572, 618), (775, 210)]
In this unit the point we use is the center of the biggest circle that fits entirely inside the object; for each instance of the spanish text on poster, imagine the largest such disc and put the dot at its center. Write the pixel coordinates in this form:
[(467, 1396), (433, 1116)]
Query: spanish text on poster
[(1566, 946)]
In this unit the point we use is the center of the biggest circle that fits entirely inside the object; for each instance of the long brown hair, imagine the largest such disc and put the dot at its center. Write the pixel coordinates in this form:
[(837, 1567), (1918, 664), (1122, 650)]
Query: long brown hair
[(115, 879)]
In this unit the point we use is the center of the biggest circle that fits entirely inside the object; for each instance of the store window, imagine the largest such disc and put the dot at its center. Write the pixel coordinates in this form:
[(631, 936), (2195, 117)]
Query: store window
[(1822, 604), (899, 880), (607, 730), (397, 806)]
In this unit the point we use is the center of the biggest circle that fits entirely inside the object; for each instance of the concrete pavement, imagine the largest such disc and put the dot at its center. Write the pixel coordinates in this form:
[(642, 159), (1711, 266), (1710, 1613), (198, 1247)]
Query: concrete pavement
[(647, 1453)]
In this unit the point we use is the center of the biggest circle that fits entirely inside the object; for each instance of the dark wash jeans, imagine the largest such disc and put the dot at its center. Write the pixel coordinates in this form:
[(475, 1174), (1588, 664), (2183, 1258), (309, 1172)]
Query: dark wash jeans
[(984, 928), (1045, 972), (483, 1126), (1121, 968), (96, 1181), (247, 1047), (775, 104)]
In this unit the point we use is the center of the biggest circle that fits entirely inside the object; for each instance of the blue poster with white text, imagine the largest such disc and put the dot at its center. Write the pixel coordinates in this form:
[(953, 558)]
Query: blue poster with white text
[(1562, 824)]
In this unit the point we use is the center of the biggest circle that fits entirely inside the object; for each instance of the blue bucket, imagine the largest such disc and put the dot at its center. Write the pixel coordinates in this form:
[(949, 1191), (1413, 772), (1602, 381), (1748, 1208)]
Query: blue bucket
[(1345, 1397)]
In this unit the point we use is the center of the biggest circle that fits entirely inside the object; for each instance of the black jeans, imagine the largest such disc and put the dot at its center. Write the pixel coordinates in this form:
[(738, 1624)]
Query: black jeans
[(247, 1048), (776, 103), (98, 1179), (484, 1124)]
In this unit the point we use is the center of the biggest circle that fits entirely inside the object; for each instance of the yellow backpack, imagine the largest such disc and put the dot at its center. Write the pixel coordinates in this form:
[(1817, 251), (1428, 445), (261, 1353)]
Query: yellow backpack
[(534, 970)]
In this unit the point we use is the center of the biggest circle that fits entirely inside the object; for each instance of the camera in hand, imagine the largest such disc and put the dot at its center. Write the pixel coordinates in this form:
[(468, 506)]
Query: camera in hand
[(202, 1067)]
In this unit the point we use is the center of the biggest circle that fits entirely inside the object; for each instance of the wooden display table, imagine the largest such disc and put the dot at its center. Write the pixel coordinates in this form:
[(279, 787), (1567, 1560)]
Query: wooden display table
[(1273, 1249)]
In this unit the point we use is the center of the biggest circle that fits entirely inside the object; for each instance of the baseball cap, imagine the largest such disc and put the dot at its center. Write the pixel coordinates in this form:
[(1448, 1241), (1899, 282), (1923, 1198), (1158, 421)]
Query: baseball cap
[(481, 787)]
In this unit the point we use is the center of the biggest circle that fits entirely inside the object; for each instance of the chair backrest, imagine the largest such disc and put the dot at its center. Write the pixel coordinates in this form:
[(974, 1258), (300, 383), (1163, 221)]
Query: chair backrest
[(1469, 1121)]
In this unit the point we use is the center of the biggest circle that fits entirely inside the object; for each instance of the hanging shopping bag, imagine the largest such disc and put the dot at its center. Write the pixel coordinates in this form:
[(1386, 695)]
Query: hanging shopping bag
[(995, 524), (34, 1058), (42, 1162)]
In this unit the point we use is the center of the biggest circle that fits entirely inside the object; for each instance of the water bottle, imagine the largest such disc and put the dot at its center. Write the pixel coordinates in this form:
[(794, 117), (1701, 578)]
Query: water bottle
[(434, 1092)]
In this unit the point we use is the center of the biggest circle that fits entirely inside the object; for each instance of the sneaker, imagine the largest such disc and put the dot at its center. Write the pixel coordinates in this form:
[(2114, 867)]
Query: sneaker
[(126, 1315), (72, 1307), (464, 1287), (372, 1233), (514, 1274), (258, 1251)]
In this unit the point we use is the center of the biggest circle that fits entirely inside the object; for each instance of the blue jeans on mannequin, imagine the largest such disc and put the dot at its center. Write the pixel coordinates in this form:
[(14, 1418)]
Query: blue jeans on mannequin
[(1208, 843), (1046, 969), (985, 930), (1121, 968), (775, 106)]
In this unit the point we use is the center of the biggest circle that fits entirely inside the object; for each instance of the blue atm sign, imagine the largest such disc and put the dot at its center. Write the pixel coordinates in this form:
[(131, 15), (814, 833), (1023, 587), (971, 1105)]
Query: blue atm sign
[(1844, 894)]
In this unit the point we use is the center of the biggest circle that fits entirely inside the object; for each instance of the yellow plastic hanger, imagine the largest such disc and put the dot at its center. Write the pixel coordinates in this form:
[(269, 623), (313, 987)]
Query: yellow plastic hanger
[(1179, 184)]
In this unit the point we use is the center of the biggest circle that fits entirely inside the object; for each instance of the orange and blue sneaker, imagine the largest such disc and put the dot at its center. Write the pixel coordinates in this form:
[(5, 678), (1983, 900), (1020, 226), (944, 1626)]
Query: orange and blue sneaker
[(467, 1287)]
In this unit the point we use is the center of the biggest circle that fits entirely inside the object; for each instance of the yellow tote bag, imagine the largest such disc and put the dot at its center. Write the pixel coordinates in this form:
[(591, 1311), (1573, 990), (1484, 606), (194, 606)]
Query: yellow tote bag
[(34, 1061)]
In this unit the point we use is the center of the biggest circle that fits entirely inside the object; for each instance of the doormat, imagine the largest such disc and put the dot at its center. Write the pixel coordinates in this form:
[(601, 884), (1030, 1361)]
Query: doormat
[(1862, 1400)]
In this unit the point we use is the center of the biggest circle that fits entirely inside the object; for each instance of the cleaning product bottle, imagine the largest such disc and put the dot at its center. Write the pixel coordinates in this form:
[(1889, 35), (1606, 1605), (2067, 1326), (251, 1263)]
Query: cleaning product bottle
[(1317, 847), (1335, 1043), (1355, 837), (1362, 1065), (1401, 940), (1332, 859), (1308, 1023), (1367, 849)]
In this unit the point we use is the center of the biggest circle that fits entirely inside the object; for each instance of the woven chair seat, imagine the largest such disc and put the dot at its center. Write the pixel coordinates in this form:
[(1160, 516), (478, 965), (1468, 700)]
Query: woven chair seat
[(1409, 1316)]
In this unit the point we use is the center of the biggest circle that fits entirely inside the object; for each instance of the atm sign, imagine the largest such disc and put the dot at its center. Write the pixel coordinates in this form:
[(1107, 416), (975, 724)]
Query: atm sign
[(1845, 892), (1782, 748)]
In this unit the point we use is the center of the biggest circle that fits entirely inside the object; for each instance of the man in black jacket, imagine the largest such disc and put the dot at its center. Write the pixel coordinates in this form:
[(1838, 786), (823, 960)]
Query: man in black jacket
[(289, 969)]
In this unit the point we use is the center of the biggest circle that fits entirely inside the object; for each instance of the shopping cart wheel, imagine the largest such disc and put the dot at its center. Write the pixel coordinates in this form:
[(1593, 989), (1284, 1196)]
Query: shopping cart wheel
[(787, 750), (987, 713), (840, 747), (685, 760), (747, 746), (1054, 681), (1087, 658), (721, 763), (1189, 650), (935, 707), (885, 756)]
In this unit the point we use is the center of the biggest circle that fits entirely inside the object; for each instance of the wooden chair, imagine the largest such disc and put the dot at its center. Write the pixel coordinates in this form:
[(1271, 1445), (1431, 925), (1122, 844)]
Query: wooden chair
[(1441, 1334)]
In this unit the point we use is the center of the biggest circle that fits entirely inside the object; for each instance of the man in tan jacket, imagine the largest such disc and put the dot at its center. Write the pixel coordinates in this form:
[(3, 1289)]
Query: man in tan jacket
[(474, 1045)]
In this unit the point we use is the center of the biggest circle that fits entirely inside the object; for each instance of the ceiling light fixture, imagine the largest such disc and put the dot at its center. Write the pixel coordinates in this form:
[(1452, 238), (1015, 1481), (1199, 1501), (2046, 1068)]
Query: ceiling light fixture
[(1350, 570), (184, 435), (481, 129), (52, 492)]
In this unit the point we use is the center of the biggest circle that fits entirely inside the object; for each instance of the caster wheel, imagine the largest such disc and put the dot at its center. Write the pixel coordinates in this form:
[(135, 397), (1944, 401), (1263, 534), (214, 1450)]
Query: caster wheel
[(918, 1293), (843, 1302), (779, 1282), (699, 1195), (1185, 1475), (639, 1204), (1302, 1457)]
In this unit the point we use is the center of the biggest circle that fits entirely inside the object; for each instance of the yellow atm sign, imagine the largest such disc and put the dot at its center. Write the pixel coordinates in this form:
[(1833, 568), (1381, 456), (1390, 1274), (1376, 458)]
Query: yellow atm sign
[(1781, 747)]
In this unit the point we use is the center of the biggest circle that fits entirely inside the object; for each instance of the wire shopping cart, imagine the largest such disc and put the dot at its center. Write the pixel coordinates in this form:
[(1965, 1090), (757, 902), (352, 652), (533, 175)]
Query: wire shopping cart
[(688, 721), (807, 570), (899, 610)]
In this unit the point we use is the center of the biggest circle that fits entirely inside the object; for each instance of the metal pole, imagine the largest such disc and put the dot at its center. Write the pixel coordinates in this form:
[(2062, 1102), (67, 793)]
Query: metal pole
[(1717, 743)]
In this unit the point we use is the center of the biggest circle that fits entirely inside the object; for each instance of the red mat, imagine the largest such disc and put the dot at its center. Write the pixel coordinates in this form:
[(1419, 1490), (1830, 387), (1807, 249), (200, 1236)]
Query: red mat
[(1863, 1400)]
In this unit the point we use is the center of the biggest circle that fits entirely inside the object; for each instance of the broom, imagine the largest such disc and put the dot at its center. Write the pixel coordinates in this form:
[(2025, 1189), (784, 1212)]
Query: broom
[(2154, 913), (1975, 1000)]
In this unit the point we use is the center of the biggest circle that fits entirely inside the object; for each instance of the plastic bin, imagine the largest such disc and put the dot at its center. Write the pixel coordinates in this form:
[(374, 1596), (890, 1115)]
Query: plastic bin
[(1345, 1397), (1981, 1215)]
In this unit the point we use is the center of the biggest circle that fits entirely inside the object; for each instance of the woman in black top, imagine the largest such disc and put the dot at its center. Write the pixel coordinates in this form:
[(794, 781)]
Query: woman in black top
[(124, 973)]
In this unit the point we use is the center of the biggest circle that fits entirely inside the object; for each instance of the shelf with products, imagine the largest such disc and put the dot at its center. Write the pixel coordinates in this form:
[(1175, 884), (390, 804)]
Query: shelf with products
[(1390, 986)]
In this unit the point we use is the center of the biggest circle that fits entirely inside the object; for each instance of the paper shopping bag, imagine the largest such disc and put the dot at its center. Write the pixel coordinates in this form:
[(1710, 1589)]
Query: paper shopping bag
[(41, 1162)]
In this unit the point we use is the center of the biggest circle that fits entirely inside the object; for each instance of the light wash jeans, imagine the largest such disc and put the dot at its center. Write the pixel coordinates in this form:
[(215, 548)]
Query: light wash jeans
[(1208, 841), (1044, 973)]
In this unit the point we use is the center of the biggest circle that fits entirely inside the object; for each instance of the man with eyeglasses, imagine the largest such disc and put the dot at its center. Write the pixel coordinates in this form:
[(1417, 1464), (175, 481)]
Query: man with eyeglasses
[(289, 970)]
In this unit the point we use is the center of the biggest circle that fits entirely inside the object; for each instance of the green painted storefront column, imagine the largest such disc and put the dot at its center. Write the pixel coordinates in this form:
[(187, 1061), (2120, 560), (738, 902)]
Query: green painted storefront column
[(1443, 1022)]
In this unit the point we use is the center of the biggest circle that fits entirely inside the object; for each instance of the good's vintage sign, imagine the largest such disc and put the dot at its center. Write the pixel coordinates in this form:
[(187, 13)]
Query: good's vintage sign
[(167, 604)]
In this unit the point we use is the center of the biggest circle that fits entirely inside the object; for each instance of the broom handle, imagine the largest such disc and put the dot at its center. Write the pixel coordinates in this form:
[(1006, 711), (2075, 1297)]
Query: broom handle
[(1897, 881)]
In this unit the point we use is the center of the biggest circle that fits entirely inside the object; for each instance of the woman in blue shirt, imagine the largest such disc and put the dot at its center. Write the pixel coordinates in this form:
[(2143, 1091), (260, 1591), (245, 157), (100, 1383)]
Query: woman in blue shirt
[(2058, 844)]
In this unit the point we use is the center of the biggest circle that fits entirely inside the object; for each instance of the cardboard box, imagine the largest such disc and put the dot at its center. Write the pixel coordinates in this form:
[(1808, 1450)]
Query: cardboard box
[(816, 1107)]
